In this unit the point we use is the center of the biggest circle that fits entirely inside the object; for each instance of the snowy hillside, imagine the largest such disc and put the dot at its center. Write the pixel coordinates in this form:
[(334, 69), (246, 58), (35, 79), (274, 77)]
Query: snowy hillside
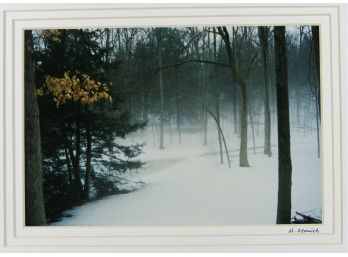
[(186, 184)]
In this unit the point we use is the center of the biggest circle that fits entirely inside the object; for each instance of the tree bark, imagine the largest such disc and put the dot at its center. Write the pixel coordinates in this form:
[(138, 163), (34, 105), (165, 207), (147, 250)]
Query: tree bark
[(34, 199), (284, 153)]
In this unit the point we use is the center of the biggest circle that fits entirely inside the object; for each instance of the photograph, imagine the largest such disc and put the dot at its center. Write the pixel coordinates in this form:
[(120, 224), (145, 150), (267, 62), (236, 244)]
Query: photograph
[(157, 126)]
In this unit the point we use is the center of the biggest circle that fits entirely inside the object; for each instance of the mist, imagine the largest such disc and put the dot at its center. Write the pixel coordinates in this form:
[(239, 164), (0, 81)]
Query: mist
[(163, 126)]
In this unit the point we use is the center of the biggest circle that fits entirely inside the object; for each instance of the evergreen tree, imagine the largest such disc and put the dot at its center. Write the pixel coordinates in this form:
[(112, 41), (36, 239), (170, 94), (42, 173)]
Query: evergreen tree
[(79, 130)]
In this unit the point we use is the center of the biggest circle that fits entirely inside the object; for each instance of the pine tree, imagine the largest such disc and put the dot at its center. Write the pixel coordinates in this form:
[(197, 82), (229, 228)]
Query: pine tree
[(80, 123)]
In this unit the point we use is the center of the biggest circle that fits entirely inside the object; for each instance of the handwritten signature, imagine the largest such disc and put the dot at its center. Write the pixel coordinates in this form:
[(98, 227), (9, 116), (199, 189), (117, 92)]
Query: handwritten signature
[(303, 231)]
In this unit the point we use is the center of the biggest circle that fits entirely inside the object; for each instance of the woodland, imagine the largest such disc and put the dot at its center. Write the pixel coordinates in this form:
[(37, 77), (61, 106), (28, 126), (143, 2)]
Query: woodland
[(101, 104)]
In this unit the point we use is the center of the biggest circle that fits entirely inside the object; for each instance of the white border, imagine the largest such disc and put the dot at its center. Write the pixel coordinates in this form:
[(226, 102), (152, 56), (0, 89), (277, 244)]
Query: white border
[(15, 236)]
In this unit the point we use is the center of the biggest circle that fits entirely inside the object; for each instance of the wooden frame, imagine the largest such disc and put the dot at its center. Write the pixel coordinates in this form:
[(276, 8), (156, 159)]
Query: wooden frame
[(14, 236)]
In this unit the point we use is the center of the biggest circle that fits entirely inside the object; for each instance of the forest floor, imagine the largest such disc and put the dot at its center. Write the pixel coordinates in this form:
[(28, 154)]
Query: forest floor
[(186, 184)]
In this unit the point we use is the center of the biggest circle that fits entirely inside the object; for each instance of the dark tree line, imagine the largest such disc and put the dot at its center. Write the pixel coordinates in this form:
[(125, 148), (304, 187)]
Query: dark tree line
[(89, 89)]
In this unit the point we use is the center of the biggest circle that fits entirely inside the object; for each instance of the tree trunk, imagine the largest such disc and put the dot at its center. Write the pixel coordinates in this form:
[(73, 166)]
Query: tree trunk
[(243, 153), (236, 112), (315, 35), (221, 132), (159, 44), (107, 46), (298, 89), (204, 93), (317, 119), (178, 108), (263, 35), (298, 104), (88, 160), (251, 116), (146, 94), (284, 153), (68, 164), (217, 105), (34, 200), (76, 165), (146, 103)]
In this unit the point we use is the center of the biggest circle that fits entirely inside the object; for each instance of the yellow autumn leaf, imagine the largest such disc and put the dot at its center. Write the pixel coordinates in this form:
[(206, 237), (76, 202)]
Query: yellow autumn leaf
[(82, 89)]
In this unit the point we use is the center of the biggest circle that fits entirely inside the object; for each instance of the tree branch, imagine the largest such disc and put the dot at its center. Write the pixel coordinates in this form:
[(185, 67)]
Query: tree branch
[(191, 40), (211, 31), (191, 61), (220, 131), (247, 69)]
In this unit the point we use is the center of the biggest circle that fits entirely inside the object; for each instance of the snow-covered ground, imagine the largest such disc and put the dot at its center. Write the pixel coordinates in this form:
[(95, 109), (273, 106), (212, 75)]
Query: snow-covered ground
[(186, 184)]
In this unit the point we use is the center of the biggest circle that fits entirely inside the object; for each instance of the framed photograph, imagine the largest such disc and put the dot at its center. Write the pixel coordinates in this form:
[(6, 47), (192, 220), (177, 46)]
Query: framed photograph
[(173, 127)]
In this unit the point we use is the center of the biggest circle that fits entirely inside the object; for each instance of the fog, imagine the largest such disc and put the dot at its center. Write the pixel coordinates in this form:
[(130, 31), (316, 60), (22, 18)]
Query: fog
[(179, 125)]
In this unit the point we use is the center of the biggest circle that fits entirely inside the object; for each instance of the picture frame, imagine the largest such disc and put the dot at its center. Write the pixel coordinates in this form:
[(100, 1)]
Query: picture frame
[(329, 236)]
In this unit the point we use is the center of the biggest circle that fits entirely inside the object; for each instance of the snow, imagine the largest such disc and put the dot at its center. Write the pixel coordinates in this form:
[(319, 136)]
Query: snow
[(186, 185)]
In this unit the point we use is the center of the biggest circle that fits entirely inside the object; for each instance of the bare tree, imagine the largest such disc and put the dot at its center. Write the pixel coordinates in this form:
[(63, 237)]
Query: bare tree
[(217, 95), (240, 76), (263, 36)]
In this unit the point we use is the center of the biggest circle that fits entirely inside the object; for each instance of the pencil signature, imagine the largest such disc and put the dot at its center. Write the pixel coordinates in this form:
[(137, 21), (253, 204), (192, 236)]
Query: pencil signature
[(303, 231)]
